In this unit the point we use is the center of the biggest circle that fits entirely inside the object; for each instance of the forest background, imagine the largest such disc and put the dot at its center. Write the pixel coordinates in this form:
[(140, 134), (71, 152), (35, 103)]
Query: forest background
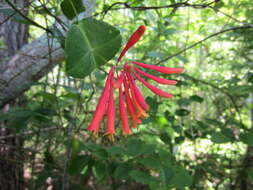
[(200, 139)]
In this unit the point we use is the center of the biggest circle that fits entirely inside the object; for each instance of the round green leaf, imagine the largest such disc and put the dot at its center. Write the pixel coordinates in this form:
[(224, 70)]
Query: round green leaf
[(72, 8), (90, 44)]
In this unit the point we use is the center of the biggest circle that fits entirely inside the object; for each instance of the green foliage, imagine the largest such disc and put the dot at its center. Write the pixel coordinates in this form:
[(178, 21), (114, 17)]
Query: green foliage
[(247, 138), (218, 137), (180, 178), (71, 8), (200, 139), (90, 44)]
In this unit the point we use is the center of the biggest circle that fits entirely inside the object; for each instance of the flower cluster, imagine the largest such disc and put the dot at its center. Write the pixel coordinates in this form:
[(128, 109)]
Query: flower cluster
[(131, 100)]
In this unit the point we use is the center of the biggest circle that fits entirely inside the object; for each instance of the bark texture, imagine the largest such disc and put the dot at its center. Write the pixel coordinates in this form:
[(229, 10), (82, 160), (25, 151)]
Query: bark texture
[(14, 36), (31, 63), (28, 64)]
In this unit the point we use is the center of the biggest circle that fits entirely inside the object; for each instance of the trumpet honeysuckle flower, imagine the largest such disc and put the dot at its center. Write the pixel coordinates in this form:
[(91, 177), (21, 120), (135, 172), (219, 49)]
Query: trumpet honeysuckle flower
[(131, 100), (155, 78), (130, 106), (119, 80), (101, 106), (137, 93), (141, 113), (154, 89), (132, 40), (110, 130), (123, 114), (161, 69)]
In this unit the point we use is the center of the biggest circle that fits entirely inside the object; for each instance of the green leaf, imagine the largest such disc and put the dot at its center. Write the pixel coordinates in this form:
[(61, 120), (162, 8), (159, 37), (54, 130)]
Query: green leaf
[(122, 171), (213, 122), (47, 96), (218, 137), (196, 98), (76, 146), (142, 177), (240, 90), (182, 112), (165, 157), (179, 140), (228, 133), (18, 113), (71, 8), (250, 174), (247, 138), (97, 150), (170, 117), (166, 173), (77, 164), (184, 102), (162, 121), (181, 178), (99, 170), (165, 138), (147, 148), (134, 147), (219, 4), (153, 103), (169, 31), (90, 44), (116, 150), (150, 162)]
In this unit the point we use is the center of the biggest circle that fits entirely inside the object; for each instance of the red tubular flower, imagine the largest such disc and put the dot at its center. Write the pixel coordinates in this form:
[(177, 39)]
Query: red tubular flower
[(110, 130), (165, 70), (154, 89), (101, 106), (137, 92), (155, 78), (132, 40), (130, 106), (123, 114), (139, 110), (119, 80)]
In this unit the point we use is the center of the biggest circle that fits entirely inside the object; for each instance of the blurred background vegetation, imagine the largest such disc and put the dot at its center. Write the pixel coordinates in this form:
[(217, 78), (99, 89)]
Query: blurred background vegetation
[(202, 139)]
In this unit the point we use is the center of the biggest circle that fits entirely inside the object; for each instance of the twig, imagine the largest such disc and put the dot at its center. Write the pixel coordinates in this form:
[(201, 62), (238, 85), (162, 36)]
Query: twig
[(126, 5), (10, 16), (54, 16), (27, 18)]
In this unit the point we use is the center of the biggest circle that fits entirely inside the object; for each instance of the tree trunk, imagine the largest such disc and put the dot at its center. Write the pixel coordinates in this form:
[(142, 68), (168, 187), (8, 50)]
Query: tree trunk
[(29, 64), (14, 36), (32, 62)]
